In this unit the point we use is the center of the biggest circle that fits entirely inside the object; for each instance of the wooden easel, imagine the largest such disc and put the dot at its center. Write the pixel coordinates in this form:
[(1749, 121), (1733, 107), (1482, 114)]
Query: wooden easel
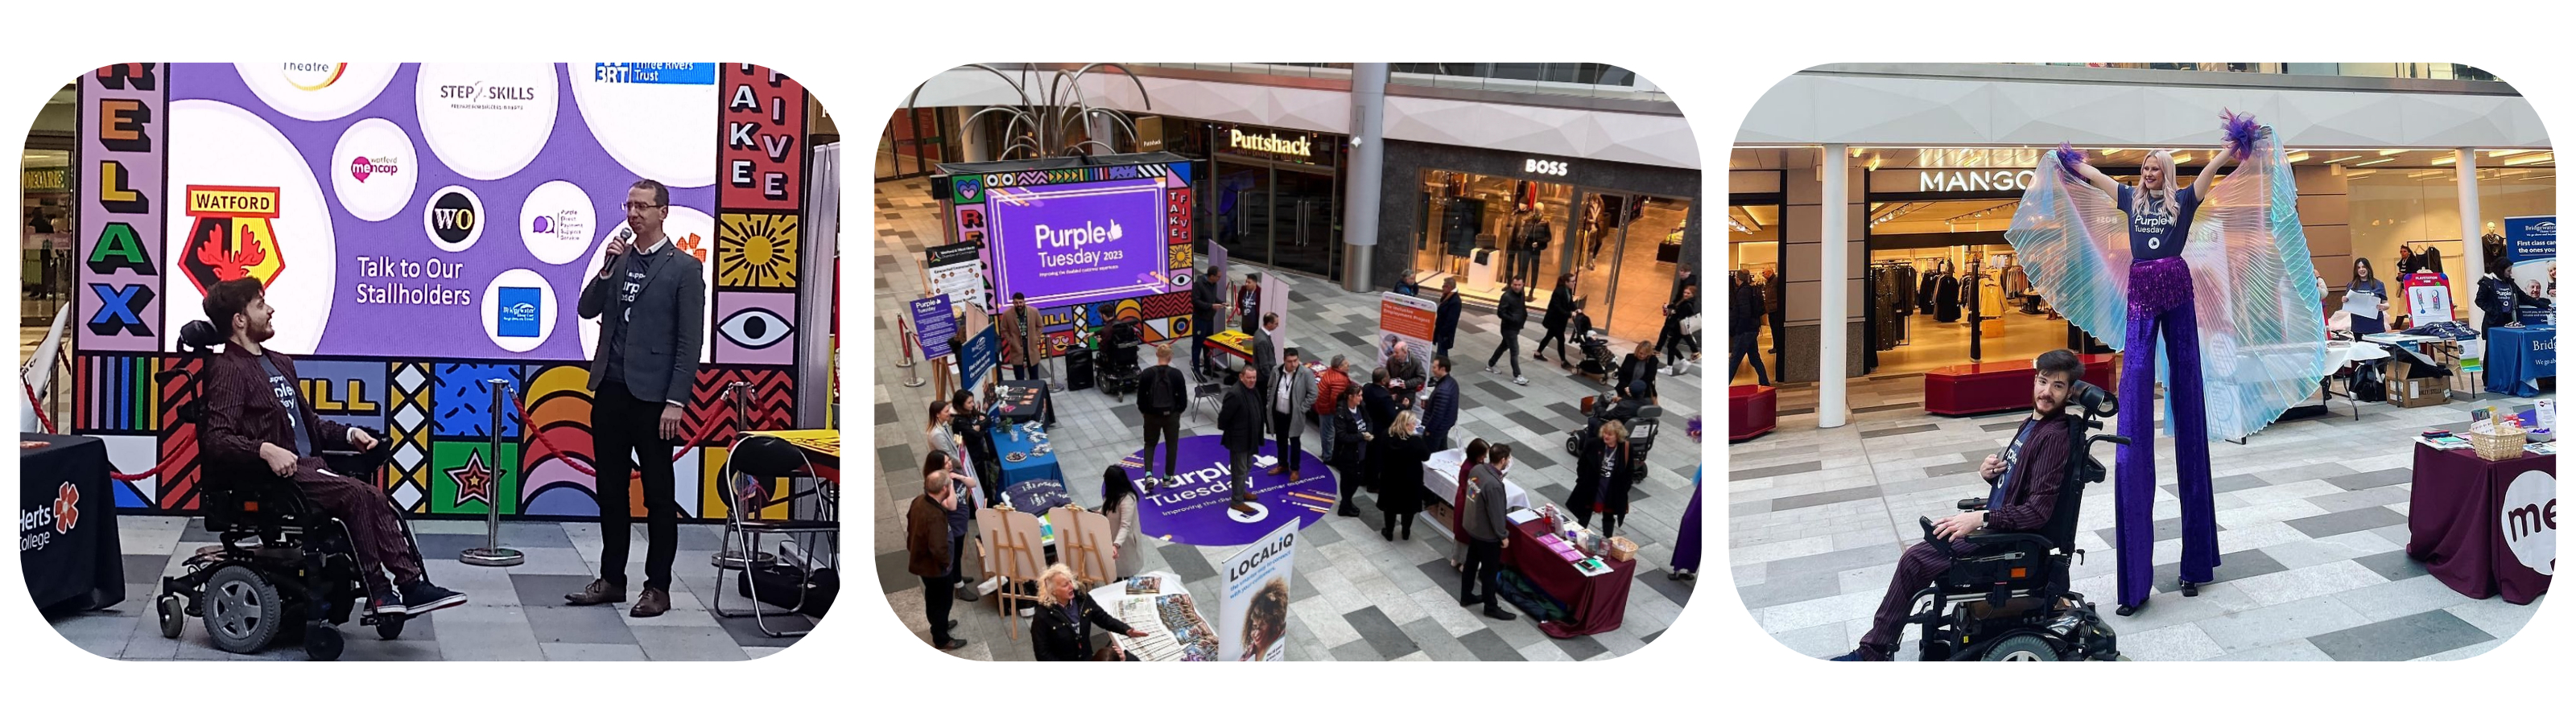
[(1011, 552), (1082, 542)]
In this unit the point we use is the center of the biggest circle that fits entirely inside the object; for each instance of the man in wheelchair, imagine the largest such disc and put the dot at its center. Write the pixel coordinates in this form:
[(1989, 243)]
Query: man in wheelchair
[(2029, 478), (256, 424)]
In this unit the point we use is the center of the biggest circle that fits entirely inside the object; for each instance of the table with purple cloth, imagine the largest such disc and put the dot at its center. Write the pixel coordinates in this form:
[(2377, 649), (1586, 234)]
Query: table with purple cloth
[(2457, 520), (1593, 603)]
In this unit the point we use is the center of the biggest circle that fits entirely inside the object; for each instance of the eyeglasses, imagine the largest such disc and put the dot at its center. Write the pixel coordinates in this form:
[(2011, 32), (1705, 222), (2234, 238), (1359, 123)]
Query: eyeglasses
[(633, 206)]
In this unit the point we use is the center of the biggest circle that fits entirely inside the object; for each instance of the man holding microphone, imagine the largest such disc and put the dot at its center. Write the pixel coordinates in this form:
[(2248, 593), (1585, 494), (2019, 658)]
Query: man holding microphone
[(650, 300)]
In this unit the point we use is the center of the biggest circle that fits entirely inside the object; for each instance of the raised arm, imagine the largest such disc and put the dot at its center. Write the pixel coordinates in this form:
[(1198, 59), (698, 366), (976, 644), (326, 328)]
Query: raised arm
[(2209, 173)]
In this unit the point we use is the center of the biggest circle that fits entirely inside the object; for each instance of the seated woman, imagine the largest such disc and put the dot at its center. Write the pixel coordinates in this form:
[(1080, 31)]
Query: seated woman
[(1062, 629)]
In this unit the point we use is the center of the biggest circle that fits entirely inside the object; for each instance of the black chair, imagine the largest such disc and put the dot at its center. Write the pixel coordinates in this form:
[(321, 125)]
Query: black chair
[(279, 557), (805, 587), (2011, 599)]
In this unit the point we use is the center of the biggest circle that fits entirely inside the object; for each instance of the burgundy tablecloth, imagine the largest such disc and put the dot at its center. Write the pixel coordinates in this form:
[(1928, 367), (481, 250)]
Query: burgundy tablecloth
[(1595, 603), (2455, 523)]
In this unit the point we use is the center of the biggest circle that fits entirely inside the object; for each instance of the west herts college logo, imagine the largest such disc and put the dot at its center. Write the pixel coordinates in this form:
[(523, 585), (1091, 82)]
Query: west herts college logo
[(313, 76), (230, 237), (364, 166), (66, 508), (453, 218), (521, 311)]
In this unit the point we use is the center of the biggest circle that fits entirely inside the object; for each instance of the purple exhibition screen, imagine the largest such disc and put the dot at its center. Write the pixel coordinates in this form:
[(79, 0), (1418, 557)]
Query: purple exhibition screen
[(1078, 243)]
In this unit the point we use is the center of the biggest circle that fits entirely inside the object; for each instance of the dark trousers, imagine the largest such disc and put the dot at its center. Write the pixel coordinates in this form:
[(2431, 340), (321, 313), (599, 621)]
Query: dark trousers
[(1393, 518), (1557, 335), (1741, 348), (369, 513), (1350, 493), (1239, 474), (1024, 372), (1484, 565), (1914, 572), (1510, 349), (1198, 345), (620, 425), (937, 599), (1290, 444), (1165, 430), (1610, 523), (1672, 342)]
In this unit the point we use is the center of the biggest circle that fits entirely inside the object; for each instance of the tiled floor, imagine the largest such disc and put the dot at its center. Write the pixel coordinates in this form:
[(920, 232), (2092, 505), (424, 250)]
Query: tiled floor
[(2311, 515), (513, 614), (1356, 597)]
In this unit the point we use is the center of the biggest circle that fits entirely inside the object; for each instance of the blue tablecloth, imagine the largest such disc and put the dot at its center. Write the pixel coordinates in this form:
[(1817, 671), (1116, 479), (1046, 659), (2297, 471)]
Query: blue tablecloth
[(2518, 356), (1034, 468)]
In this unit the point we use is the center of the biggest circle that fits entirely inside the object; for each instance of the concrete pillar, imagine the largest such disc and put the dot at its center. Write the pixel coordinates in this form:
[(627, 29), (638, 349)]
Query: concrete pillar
[(2473, 255), (1834, 310), (1364, 180)]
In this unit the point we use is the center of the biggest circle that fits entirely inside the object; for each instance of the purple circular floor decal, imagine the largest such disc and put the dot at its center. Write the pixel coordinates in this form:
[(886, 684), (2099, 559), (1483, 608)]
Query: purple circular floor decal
[(1192, 507)]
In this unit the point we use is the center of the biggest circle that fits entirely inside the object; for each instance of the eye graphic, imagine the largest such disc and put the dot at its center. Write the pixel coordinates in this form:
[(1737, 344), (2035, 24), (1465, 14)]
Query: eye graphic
[(754, 328)]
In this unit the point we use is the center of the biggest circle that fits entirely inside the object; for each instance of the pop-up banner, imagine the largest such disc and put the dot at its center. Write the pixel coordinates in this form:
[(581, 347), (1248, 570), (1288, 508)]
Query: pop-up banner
[(1253, 623), (424, 229), (2531, 245), (1404, 319)]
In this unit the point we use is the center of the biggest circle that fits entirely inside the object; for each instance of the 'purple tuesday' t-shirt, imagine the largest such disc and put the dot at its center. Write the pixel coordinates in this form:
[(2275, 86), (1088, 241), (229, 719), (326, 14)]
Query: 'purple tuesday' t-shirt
[(2152, 233)]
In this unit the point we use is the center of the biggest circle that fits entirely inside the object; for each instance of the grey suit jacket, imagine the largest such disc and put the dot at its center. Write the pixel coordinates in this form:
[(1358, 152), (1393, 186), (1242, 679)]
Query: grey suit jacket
[(667, 324), (1301, 397)]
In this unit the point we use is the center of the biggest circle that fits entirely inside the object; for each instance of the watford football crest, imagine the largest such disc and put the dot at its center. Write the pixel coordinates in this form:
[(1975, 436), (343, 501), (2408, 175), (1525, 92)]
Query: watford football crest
[(231, 237)]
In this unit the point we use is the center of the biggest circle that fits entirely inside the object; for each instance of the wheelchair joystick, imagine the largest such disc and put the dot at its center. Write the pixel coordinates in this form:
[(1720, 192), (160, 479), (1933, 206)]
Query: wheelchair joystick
[(492, 554)]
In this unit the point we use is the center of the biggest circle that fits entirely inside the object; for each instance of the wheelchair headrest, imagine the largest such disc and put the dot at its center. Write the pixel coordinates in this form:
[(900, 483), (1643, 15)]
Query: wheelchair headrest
[(199, 336), (2092, 401)]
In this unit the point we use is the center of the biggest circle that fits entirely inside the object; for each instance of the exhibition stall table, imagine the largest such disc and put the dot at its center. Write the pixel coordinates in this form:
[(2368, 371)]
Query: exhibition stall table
[(821, 448), (67, 541), (1019, 401), (1232, 343), (1160, 607), (1024, 461), (2484, 527), (2341, 358), (1750, 411), (2518, 356), (1442, 495), (1594, 603)]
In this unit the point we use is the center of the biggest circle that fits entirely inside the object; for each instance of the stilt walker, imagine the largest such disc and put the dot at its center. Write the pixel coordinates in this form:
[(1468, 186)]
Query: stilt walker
[(2219, 274)]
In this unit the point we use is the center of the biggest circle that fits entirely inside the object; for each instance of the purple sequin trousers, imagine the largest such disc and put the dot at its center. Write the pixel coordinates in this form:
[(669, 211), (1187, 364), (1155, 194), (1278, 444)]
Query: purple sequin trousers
[(2160, 300)]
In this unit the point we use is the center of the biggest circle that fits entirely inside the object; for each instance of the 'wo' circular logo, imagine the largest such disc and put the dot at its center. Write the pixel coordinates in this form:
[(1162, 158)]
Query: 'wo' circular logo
[(454, 218)]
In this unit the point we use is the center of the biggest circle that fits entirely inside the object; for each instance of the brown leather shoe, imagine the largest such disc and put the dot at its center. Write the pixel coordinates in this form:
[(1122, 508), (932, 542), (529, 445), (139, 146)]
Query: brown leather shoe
[(651, 604), (598, 592)]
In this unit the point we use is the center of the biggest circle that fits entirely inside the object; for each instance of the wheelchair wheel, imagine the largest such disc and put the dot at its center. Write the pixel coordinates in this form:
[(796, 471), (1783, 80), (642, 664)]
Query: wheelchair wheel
[(322, 642), (243, 611), (174, 615), (2021, 647), (389, 627)]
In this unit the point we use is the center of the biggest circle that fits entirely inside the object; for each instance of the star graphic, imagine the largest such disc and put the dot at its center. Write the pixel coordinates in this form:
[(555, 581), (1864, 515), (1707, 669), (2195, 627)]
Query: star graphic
[(473, 479)]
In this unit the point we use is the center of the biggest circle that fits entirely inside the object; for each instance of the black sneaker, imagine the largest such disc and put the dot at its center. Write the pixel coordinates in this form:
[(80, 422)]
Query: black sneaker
[(387, 604), (420, 597)]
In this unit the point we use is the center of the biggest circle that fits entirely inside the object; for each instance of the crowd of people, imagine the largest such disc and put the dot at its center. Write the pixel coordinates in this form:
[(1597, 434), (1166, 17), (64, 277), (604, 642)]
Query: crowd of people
[(1376, 432)]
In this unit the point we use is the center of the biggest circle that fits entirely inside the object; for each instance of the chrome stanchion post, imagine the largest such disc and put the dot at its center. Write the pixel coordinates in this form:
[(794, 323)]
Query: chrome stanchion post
[(727, 556), (492, 554), (911, 374)]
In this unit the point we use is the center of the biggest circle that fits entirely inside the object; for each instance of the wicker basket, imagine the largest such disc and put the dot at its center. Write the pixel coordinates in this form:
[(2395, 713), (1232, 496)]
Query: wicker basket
[(1620, 549), (2498, 447)]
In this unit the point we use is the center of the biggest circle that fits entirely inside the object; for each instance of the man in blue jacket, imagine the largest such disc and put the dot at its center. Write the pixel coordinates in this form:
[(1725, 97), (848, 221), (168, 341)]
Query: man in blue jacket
[(1441, 412), (1444, 330)]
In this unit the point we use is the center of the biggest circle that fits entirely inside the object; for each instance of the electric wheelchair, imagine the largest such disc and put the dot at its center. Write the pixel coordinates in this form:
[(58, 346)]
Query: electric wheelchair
[(2010, 599), (281, 560)]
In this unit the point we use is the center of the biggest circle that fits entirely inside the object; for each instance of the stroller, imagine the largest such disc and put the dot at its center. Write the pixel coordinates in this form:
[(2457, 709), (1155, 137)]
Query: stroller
[(1598, 362)]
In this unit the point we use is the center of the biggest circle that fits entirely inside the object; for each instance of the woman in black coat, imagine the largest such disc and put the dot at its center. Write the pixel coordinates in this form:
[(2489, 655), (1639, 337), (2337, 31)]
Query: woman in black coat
[(1560, 310), (1397, 457), (1352, 434), (1671, 339), (1601, 478), (1061, 629), (1637, 368)]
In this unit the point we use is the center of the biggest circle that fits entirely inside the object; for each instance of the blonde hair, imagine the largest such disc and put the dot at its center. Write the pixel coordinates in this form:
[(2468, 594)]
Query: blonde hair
[(1403, 426), (1046, 584), (2172, 203), (1617, 430)]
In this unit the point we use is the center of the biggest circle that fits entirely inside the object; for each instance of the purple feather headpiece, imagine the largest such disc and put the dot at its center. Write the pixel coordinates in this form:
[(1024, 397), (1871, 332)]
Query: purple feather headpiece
[(2242, 131), (2067, 158)]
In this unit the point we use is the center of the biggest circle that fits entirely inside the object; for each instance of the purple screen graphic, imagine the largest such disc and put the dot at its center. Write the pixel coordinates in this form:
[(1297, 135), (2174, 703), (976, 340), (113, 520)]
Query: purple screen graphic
[(1078, 243)]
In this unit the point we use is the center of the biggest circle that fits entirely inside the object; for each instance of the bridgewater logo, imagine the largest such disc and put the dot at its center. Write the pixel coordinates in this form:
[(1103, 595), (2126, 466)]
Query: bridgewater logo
[(521, 311), (364, 166), (313, 76)]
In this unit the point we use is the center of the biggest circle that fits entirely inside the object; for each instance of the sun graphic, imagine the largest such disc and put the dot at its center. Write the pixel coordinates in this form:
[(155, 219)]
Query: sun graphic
[(756, 250)]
